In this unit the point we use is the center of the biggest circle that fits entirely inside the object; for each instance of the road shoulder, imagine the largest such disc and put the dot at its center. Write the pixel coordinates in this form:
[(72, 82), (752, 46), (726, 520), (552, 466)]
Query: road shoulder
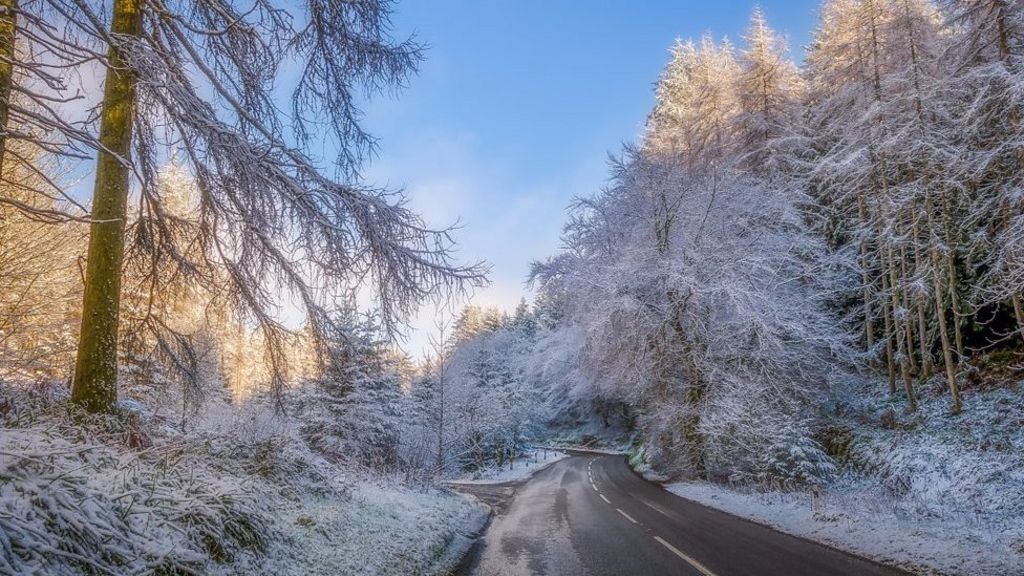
[(856, 533)]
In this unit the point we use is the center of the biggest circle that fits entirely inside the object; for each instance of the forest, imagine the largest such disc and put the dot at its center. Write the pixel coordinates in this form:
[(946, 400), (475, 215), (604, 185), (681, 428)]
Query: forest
[(802, 282)]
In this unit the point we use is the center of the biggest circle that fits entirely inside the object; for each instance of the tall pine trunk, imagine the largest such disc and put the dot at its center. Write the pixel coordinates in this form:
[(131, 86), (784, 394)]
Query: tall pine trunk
[(900, 323), (869, 331), (1018, 312), (901, 326), (952, 282), (887, 315), (908, 307), (1004, 56), (940, 313), (922, 325), (8, 28), (95, 383)]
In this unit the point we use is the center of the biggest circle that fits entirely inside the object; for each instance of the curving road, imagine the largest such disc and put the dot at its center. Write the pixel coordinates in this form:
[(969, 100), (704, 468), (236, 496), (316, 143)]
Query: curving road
[(590, 515)]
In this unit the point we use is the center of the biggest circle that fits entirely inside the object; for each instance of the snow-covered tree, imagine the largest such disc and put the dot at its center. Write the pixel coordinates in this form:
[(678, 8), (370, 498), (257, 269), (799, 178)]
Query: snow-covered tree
[(350, 412), (986, 160), (769, 90), (696, 102), (878, 146), (197, 80)]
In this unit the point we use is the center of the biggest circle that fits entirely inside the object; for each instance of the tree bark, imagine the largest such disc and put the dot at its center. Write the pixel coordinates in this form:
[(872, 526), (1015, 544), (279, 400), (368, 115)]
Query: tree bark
[(95, 382), (889, 356), (8, 29), (869, 331), (1018, 312), (922, 325), (901, 326), (909, 333), (1004, 55), (940, 313), (954, 294)]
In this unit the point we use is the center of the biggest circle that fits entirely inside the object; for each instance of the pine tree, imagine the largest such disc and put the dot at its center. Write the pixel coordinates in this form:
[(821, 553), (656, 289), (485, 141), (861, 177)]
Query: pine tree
[(769, 92)]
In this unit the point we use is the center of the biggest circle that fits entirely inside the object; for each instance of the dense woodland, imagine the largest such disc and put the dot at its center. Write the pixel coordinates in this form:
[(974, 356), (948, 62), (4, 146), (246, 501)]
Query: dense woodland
[(785, 239), (782, 244)]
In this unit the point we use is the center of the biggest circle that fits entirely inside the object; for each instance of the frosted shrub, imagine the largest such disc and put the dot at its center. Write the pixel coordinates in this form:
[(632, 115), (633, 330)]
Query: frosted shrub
[(794, 461), (76, 499)]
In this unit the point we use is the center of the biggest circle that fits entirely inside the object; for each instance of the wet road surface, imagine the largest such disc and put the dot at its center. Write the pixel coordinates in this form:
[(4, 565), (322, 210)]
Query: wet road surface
[(590, 515)]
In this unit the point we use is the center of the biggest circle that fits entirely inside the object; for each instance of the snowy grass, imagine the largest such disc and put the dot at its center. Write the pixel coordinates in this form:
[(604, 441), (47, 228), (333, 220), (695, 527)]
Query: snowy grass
[(238, 495), (381, 530), (519, 468), (930, 490)]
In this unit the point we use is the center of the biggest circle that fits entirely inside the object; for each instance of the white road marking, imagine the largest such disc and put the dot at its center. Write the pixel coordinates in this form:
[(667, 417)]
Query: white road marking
[(628, 517), (657, 509), (697, 565), (606, 501)]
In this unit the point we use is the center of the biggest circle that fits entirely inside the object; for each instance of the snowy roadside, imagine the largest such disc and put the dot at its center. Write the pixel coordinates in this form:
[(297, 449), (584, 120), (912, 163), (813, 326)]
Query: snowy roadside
[(381, 530), (519, 468), (860, 519), (240, 495), (602, 451)]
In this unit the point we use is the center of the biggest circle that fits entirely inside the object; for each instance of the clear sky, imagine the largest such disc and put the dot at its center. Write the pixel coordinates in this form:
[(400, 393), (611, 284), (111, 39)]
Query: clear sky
[(514, 112), (518, 105)]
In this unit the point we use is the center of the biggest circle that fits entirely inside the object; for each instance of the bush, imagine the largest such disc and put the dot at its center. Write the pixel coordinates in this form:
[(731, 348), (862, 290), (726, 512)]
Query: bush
[(793, 461), (75, 498)]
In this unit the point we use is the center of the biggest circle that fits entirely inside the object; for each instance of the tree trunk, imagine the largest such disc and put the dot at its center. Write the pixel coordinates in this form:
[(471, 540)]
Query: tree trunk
[(954, 294), (95, 382), (940, 313), (1018, 311), (922, 325), (8, 28), (887, 315), (909, 332), (869, 332), (440, 420), (899, 327), (691, 426)]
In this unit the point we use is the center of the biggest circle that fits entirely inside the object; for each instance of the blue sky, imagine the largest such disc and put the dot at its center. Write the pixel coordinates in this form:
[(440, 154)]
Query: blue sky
[(518, 105)]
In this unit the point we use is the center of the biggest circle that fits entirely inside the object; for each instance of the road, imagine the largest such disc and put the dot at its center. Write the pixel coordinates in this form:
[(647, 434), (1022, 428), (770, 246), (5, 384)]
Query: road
[(590, 515)]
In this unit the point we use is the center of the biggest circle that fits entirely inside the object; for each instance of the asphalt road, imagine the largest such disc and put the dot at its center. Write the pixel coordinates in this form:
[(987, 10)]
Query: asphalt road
[(590, 515)]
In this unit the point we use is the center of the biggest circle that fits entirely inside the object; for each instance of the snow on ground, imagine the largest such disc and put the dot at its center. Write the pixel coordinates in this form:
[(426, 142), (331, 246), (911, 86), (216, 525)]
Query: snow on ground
[(518, 469), (243, 495), (622, 450), (381, 530), (928, 490), (860, 522)]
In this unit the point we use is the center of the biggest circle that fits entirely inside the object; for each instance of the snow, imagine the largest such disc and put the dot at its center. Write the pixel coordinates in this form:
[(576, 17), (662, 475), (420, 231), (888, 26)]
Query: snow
[(382, 530), (705, 308), (622, 451), (520, 468), (863, 521), (240, 494), (931, 491)]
